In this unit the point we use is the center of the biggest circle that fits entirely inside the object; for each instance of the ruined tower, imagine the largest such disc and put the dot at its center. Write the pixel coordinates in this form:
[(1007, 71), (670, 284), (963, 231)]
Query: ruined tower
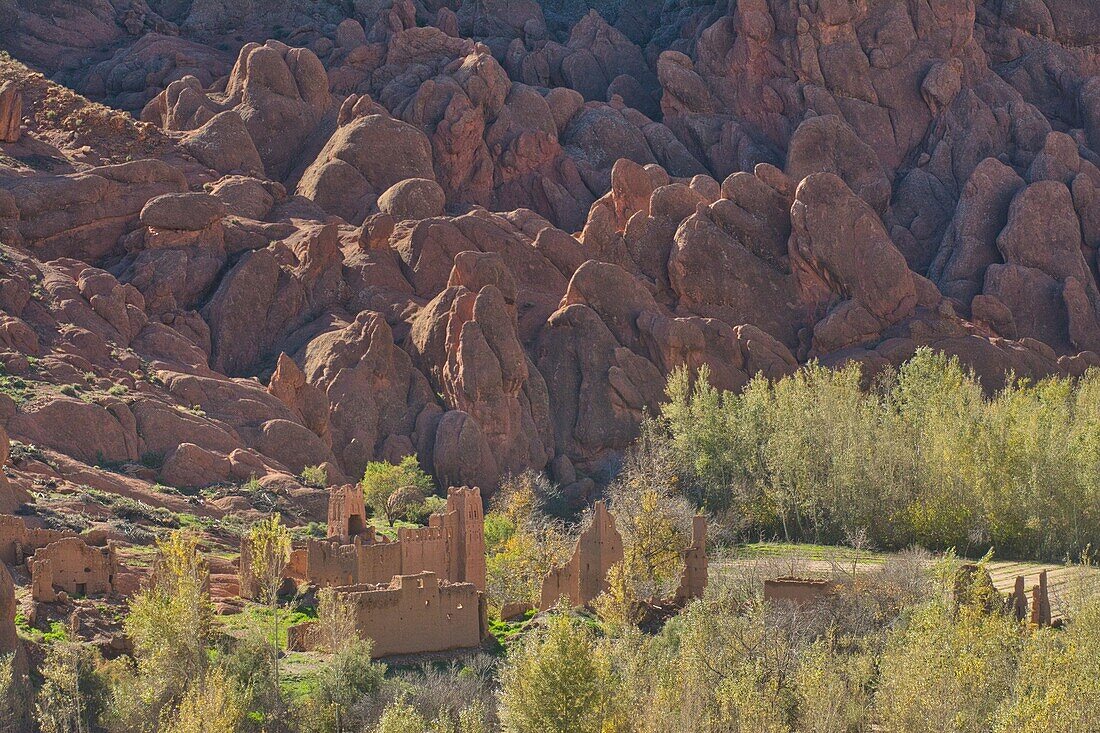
[(693, 583), (464, 523), (347, 515)]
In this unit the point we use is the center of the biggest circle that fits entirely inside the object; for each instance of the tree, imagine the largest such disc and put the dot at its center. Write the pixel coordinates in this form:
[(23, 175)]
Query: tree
[(335, 621), (212, 704), (522, 541), (401, 717), (381, 480), (654, 519), (558, 681), (170, 624), (269, 552), (63, 704), (1057, 687), (405, 503), (347, 678)]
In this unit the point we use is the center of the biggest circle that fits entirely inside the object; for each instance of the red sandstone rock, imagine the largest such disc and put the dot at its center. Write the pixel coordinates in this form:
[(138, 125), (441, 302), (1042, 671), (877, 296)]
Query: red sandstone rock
[(942, 145), (11, 112)]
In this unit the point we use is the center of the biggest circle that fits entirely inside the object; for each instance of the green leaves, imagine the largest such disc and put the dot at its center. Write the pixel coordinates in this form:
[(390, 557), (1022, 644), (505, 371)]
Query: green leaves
[(918, 455)]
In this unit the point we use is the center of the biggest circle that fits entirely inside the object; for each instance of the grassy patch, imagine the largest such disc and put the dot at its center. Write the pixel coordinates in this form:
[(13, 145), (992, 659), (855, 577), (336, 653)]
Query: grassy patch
[(57, 632), (256, 618), (806, 551), (506, 632), (19, 389), (26, 452), (389, 532)]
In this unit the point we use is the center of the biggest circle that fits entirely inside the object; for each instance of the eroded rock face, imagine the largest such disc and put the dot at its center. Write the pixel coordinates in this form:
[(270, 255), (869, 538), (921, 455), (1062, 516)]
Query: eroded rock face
[(485, 233), (361, 161), (11, 112), (840, 248)]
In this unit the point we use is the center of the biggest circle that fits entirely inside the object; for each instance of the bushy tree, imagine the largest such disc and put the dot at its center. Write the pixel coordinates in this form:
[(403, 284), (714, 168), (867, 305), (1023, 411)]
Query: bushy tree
[(523, 542), (381, 480), (1057, 687), (66, 701), (559, 680), (947, 670), (212, 704), (269, 552), (347, 679), (652, 516), (170, 624)]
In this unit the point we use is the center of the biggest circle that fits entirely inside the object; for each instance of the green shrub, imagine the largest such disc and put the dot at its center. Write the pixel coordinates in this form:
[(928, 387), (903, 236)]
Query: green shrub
[(381, 480), (315, 476)]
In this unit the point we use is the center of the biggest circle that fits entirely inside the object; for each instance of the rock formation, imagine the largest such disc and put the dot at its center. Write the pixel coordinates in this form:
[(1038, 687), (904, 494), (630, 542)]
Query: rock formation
[(485, 235)]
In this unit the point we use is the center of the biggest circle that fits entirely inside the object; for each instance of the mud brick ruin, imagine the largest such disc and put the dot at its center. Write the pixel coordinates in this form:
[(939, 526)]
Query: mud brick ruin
[(419, 593), (411, 614), (584, 577), (797, 591), (72, 566), (600, 547), (58, 561), (452, 546), (1038, 610), (347, 514), (18, 541), (693, 583)]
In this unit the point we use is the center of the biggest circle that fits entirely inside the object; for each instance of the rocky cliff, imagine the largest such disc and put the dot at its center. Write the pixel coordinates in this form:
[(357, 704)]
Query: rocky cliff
[(287, 234)]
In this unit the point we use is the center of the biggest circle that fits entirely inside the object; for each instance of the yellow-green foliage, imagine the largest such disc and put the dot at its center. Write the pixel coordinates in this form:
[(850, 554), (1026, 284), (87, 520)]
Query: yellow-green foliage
[(947, 671), (922, 457), (381, 480), (559, 680), (652, 516), (1057, 688), (212, 704), (269, 548), (170, 625), (522, 543)]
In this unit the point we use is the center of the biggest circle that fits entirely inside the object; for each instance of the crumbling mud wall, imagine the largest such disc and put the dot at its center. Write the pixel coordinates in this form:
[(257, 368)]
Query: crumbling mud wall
[(584, 577), (72, 566), (693, 582), (411, 614), (17, 541), (797, 591)]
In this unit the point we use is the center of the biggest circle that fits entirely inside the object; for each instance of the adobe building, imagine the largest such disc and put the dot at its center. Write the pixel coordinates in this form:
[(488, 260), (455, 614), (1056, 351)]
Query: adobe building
[(412, 614), (71, 566), (452, 546), (693, 583), (18, 542), (797, 591), (584, 577)]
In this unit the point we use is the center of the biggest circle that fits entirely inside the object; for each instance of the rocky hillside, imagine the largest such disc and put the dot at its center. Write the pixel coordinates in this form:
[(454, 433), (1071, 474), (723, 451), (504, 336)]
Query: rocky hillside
[(291, 233)]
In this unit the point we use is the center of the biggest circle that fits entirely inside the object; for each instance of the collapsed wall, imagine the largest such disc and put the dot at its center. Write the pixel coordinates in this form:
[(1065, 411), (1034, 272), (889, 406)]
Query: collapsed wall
[(412, 614), (18, 541), (584, 577), (600, 547), (693, 582)]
